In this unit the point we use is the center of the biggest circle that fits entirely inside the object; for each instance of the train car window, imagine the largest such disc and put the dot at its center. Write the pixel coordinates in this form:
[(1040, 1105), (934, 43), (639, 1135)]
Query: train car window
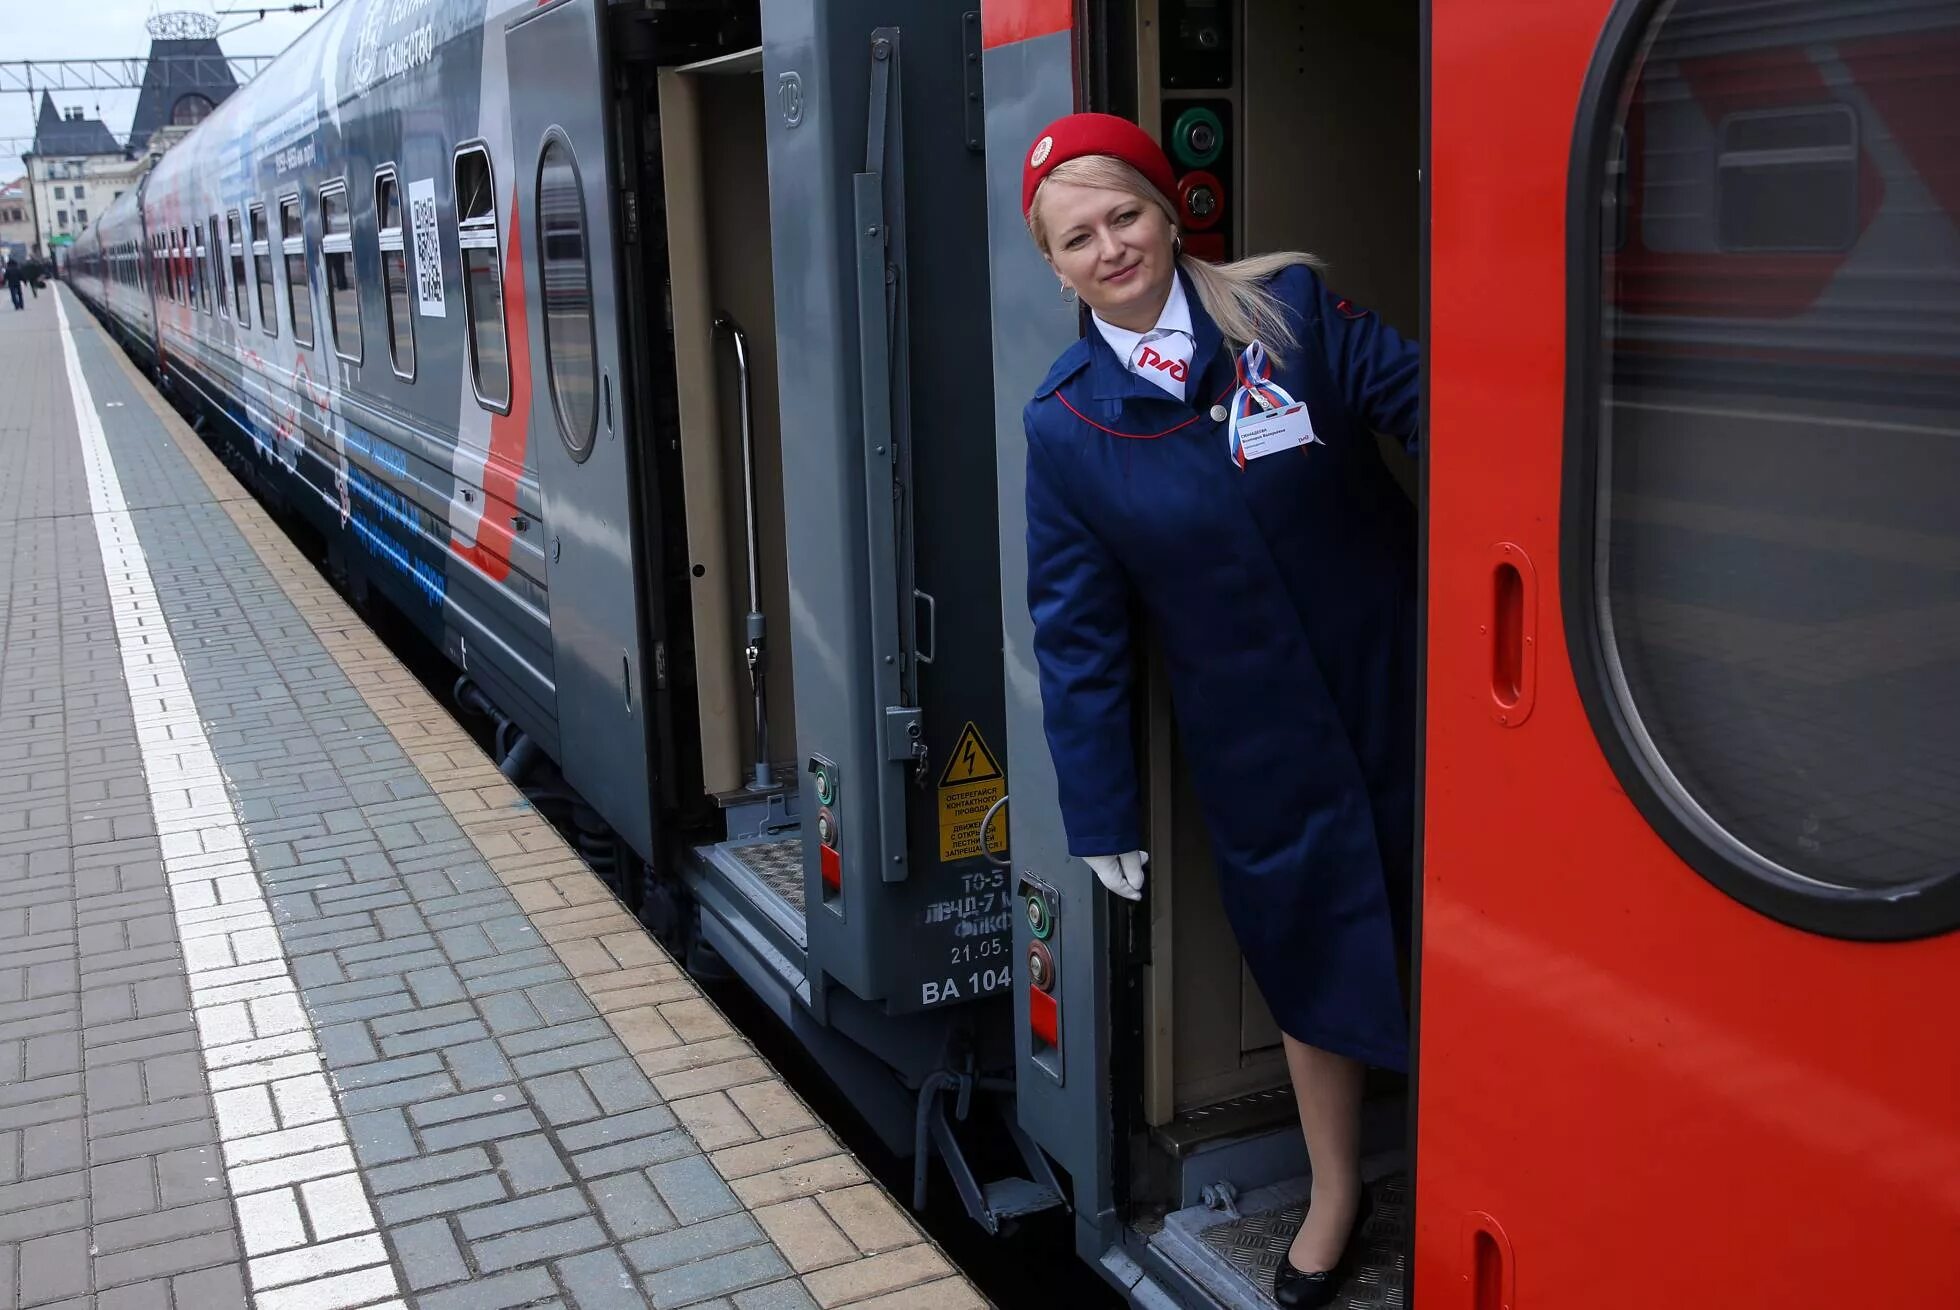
[(292, 233), (223, 301), (241, 303), (1762, 558), (262, 272), (337, 255), (1787, 179), (566, 273), (483, 285), (394, 273), (200, 285)]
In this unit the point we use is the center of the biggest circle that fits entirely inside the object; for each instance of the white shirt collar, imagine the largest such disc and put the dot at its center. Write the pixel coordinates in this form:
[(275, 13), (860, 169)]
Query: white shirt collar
[(1174, 317)]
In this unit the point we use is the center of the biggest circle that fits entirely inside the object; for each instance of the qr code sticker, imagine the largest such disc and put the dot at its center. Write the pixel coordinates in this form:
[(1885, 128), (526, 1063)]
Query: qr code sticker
[(428, 246)]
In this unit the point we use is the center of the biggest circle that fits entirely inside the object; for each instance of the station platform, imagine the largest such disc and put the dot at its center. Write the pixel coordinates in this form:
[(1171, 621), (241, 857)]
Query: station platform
[(302, 1005)]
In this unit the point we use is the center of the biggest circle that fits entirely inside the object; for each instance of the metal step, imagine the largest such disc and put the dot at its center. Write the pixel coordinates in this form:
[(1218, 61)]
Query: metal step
[(1236, 1256)]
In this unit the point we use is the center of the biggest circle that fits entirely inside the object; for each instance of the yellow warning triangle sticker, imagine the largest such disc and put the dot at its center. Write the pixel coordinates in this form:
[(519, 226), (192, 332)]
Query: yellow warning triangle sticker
[(970, 761)]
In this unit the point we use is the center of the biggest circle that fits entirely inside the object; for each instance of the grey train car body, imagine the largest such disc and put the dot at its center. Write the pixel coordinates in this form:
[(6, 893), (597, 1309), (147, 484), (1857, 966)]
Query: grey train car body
[(487, 431)]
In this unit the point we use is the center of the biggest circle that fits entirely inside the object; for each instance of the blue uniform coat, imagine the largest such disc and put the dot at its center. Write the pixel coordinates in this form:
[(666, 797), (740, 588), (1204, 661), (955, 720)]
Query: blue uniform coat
[(1284, 598)]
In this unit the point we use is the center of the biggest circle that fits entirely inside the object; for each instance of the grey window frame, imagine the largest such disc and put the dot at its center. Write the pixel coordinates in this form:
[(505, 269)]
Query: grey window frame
[(292, 254), (481, 234), (389, 240), (265, 280), (582, 450), (332, 244), (241, 300)]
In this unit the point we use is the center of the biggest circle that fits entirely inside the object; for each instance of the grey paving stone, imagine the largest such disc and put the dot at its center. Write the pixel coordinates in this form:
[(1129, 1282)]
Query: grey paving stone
[(193, 1175), (407, 1092), (789, 1294), (531, 1163), (564, 1100), (42, 1220), (693, 1242), (630, 1206), (162, 1261), (428, 1169), (180, 1221), (521, 1287), (435, 1039), (509, 1012), (119, 1190), (385, 1071), (730, 1272), (154, 1295), (615, 1128), (53, 1267), (692, 1189), (490, 1100), (486, 1129), (600, 1280), (219, 1288), (442, 1198), (477, 1063), (381, 1136), (428, 1253), (538, 1244), (508, 1216), (619, 1086), (657, 1149)]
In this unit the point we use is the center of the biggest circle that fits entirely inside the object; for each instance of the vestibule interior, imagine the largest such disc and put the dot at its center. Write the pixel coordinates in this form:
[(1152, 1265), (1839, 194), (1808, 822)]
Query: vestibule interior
[(714, 158), (1302, 122)]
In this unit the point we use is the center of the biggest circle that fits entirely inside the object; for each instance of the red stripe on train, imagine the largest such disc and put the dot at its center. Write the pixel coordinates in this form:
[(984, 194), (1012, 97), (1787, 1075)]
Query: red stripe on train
[(1003, 22), (509, 433)]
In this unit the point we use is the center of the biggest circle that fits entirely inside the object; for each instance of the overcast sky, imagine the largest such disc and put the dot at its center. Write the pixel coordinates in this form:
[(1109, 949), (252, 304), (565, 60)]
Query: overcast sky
[(112, 29)]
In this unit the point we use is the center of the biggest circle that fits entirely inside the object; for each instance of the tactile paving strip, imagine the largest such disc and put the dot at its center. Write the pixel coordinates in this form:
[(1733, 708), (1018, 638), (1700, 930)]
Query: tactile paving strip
[(779, 864), (1255, 1245)]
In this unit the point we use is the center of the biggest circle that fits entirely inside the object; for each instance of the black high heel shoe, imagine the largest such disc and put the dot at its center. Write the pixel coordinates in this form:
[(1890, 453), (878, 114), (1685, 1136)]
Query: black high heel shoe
[(1297, 1288)]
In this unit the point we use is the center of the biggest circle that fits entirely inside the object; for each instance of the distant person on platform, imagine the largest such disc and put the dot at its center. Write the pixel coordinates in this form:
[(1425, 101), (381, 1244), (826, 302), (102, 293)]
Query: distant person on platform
[(14, 276), (35, 271)]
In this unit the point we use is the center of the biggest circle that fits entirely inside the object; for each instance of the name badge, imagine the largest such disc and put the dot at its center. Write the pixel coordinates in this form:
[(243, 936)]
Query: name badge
[(1286, 428)]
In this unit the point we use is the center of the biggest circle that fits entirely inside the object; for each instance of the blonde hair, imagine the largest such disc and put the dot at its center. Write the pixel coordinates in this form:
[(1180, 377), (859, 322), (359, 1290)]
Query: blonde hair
[(1234, 294)]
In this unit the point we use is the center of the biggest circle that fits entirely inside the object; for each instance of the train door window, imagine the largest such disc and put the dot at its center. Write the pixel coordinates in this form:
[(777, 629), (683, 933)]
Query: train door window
[(337, 258), (566, 273), (262, 272), (222, 300), (1787, 179), (483, 286), (292, 233), (394, 273), (1762, 468), (241, 304), (200, 289)]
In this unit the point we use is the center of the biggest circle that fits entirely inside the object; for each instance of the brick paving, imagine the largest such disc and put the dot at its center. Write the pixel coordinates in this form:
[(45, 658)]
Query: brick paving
[(529, 1102)]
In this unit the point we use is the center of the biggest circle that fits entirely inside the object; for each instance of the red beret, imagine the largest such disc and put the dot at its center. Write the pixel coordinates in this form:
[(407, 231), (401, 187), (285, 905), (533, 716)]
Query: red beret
[(1095, 134)]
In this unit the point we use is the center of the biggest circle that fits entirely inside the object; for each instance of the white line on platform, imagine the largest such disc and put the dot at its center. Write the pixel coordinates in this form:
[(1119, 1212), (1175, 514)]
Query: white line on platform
[(302, 1210)]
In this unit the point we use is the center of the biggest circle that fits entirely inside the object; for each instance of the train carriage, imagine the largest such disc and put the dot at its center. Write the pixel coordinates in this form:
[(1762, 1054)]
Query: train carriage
[(676, 397)]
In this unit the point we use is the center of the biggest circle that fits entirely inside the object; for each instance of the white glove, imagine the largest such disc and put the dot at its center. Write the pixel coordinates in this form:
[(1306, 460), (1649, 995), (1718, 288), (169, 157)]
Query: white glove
[(1122, 874)]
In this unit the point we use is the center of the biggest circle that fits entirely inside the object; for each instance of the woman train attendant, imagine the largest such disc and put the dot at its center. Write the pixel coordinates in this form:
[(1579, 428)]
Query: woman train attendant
[(1207, 451)]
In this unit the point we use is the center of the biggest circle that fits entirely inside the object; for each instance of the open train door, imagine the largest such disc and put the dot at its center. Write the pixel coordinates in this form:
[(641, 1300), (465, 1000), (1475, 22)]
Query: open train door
[(1691, 819), (580, 408)]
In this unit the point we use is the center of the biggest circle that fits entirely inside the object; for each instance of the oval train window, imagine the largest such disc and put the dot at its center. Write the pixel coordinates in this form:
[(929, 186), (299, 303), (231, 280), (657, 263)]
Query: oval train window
[(566, 273), (1762, 559)]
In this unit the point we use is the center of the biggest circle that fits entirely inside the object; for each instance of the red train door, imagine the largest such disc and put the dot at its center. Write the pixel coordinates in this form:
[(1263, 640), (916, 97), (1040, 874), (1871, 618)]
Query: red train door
[(1692, 819)]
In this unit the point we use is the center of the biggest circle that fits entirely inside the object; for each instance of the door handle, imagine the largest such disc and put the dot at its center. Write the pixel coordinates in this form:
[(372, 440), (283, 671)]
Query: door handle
[(1511, 634), (1489, 1269)]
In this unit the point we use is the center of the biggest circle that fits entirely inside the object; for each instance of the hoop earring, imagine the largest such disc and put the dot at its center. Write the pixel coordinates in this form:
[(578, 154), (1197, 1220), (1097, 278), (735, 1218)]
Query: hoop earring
[(1177, 247), (1068, 293)]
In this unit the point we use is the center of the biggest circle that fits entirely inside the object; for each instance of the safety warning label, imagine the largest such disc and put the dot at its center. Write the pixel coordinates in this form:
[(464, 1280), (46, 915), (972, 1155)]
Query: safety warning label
[(969, 786)]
